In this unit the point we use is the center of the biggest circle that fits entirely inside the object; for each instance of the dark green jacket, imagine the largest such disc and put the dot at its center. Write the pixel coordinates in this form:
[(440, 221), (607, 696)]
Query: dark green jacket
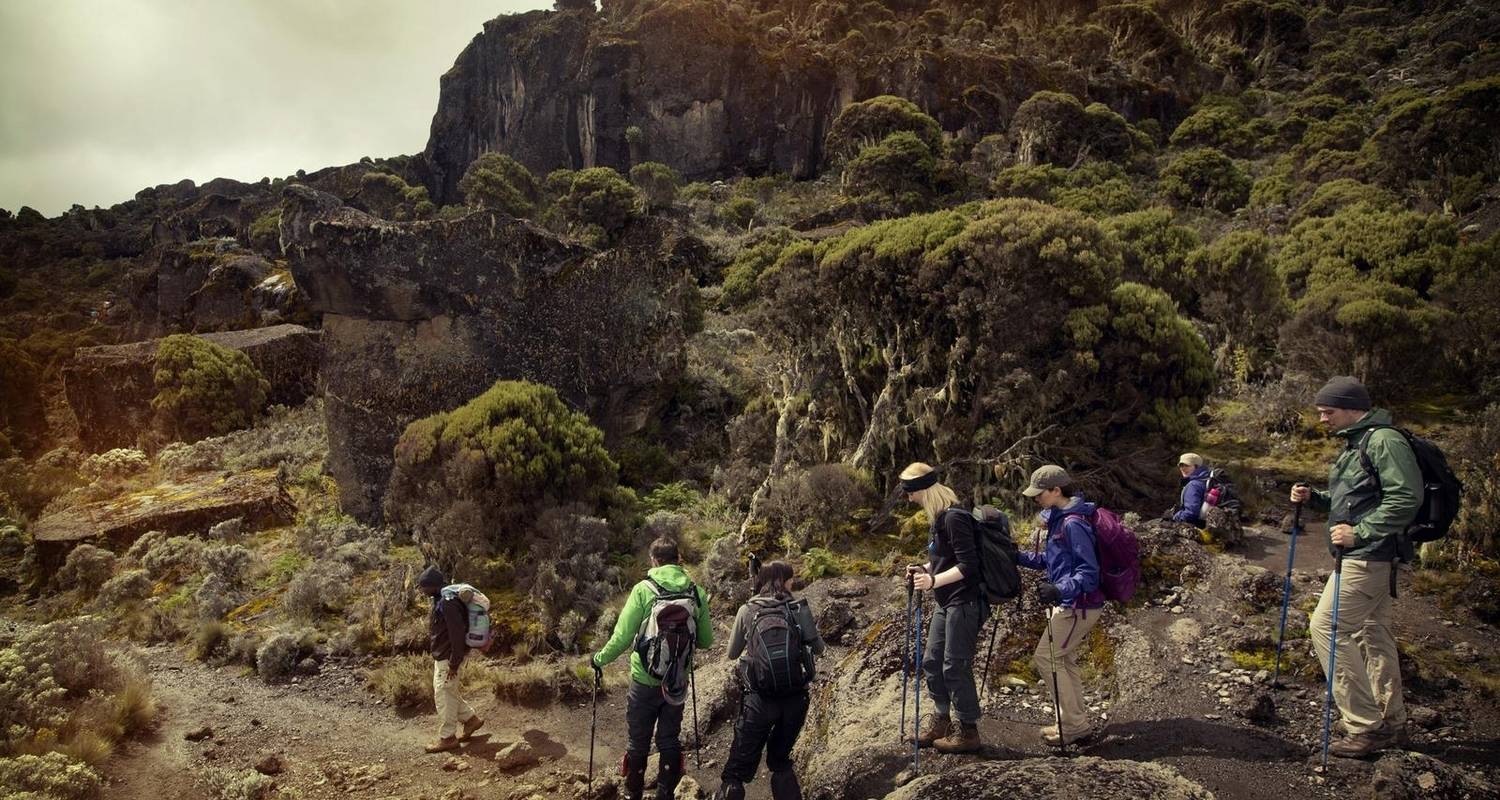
[(1379, 509), (673, 578)]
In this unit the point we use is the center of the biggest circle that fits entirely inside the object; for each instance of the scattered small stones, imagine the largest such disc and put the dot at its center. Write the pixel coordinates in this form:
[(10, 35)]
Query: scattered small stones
[(1424, 717), (455, 764), (1260, 709), (199, 734), (1465, 653), (270, 764)]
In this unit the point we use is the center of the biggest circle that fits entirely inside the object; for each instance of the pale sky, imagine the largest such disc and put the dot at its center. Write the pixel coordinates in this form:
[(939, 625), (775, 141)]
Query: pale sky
[(102, 98)]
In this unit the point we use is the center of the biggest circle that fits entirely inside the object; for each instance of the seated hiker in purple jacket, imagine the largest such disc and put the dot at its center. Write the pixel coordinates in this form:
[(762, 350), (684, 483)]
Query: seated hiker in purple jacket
[(1071, 563)]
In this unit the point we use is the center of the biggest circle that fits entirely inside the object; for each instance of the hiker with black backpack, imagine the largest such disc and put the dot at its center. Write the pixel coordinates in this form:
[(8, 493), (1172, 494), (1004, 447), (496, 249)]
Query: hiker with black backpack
[(775, 640), (1194, 474), (663, 621), (1072, 593), (952, 575), (1375, 493)]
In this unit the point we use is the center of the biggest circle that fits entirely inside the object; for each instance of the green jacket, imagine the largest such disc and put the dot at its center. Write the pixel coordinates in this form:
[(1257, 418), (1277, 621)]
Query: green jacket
[(673, 578), (1378, 510)]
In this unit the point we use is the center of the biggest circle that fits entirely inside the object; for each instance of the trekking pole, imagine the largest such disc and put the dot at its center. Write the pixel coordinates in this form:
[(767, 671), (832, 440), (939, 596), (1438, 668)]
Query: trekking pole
[(905, 663), (697, 739), (1062, 742), (594, 723), (1333, 650), (989, 656), (1286, 590), (916, 746)]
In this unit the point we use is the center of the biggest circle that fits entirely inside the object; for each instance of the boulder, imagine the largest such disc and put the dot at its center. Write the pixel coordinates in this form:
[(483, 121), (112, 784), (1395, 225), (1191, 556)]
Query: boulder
[(421, 317), (208, 285), (110, 388), (1411, 776), (183, 507), (1079, 778)]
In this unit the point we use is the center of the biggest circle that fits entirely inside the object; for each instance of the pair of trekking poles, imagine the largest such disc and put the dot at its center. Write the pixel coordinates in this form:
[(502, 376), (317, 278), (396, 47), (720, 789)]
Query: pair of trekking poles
[(1333, 636), (594, 722)]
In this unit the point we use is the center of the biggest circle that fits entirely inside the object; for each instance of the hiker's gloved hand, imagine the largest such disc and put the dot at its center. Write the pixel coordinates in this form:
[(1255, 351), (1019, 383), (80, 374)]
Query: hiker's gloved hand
[(1048, 594)]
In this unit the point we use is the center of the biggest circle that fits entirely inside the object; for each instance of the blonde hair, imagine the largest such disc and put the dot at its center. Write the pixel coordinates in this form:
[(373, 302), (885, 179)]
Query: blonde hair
[(936, 498)]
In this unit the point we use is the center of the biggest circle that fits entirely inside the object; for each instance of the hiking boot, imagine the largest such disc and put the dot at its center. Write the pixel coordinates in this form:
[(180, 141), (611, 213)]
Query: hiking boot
[(474, 724), (966, 740), (633, 768), (443, 745), (937, 728), (1360, 745), (1051, 737), (730, 790), (670, 767)]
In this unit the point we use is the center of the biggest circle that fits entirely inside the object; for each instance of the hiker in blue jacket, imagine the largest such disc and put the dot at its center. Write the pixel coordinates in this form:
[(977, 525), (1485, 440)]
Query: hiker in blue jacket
[(1071, 592), (1194, 489)]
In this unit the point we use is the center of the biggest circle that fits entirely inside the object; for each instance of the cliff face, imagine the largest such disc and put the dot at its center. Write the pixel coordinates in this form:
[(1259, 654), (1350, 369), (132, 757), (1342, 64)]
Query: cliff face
[(562, 89), (421, 317)]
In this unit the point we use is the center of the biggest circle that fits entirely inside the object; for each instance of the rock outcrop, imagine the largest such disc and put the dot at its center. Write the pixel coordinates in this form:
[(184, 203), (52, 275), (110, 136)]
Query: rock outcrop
[(706, 96), (421, 317), (188, 506), (1079, 778), (110, 388), (208, 285)]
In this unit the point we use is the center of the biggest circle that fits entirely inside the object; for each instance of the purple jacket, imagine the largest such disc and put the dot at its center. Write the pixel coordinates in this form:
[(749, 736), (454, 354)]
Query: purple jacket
[(1194, 489), (1071, 559)]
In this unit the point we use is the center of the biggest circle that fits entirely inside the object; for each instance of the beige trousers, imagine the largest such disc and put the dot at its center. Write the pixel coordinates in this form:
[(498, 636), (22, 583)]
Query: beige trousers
[(1367, 671), (1070, 629), (450, 707)]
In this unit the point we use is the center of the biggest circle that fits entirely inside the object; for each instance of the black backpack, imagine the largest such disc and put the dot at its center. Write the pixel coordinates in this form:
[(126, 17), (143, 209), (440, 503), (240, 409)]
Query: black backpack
[(998, 577), (667, 637), (1442, 491), (778, 662), (1229, 499)]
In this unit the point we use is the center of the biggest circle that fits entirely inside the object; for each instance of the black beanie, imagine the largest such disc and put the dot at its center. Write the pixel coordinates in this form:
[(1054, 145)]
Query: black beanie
[(1343, 391), (432, 578)]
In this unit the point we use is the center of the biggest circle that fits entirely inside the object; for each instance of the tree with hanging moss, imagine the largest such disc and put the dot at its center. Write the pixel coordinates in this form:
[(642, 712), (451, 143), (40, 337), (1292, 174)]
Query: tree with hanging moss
[(467, 484), (869, 122), (204, 389), (498, 182)]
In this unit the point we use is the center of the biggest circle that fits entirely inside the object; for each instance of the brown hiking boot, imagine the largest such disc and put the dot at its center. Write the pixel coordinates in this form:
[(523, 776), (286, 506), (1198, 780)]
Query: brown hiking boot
[(1360, 745), (443, 745), (937, 728), (1050, 737), (474, 724), (966, 740)]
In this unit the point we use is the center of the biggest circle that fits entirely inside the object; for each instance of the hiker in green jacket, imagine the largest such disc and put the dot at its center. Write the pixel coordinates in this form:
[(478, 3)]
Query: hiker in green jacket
[(1369, 505), (665, 617)]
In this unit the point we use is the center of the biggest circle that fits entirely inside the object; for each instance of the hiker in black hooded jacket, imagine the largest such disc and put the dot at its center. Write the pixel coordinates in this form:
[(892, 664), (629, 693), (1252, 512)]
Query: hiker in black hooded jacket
[(769, 723), (447, 627)]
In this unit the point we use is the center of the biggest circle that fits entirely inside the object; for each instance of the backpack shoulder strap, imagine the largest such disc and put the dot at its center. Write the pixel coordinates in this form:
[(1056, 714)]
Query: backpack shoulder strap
[(1364, 453)]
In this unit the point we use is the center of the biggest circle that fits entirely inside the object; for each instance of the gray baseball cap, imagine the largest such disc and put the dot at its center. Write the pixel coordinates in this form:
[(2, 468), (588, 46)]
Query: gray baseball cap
[(1049, 477)]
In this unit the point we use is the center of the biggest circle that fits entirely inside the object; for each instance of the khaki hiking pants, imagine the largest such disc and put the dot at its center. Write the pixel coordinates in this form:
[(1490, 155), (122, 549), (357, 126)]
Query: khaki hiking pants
[(450, 707), (1367, 672), (1070, 629)]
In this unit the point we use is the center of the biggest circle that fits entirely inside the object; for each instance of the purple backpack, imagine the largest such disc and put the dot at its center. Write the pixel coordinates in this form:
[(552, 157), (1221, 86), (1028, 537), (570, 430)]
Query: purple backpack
[(1119, 555)]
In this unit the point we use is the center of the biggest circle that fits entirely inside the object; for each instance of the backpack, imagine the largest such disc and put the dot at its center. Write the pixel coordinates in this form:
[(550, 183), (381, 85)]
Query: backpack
[(998, 576), (667, 637), (1229, 499), (1119, 555), (480, 636), (777, 661), (1442, 491)]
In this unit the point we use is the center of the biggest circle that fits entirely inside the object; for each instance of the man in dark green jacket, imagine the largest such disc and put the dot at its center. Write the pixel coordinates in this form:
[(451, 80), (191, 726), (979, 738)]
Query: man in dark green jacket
[(1374, 493), (649, 705)]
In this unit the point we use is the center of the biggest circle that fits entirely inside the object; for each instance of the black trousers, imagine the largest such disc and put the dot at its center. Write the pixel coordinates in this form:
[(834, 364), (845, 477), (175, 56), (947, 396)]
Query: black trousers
[(771, 724), (952, 639), (646, 709)]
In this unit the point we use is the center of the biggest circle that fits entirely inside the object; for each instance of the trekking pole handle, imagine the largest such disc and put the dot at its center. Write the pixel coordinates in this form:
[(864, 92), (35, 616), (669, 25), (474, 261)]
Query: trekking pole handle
[(1338, 560)]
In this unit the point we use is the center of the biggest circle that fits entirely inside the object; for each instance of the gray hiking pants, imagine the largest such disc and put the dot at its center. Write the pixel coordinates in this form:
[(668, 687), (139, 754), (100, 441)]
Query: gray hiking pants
[(952, 639)]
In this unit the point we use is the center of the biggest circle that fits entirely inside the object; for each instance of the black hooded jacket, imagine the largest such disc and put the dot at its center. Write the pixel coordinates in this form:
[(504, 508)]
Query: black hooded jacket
[(448, 623)]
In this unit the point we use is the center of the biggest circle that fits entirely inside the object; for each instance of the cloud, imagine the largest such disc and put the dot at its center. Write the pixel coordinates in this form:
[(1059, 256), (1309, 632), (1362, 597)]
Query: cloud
[(100, 100)]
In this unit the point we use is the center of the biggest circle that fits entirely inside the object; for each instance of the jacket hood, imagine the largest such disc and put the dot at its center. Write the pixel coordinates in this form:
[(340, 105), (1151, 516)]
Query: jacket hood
[(1376, 417), (1079, 506), (671, 576), (432, 578)]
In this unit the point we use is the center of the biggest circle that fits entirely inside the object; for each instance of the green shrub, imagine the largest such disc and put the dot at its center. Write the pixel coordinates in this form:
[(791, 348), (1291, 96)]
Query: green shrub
[(1242, 295), (86, 569), (1452, 134), (657, 182), (1154, 251), (173, 558), (1049, 127), (127, 587), (1113, 196), (1334, 195), (739, 212), (467, 482), (404, 682), (30, 699), (51, 776), (898, 173), (870, 122), (672, 497), (498, 182), (204, 389), (23, 420), (1205, 177), (600, 197), (1217, 125), (278, 657)]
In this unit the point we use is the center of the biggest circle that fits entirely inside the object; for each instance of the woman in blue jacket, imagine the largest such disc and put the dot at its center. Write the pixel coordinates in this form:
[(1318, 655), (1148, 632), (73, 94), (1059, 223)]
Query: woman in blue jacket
[(1071, 592), (1194, 489)]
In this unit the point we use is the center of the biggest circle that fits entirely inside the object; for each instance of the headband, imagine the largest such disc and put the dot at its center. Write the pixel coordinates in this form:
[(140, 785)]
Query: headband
[(917, 484)]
